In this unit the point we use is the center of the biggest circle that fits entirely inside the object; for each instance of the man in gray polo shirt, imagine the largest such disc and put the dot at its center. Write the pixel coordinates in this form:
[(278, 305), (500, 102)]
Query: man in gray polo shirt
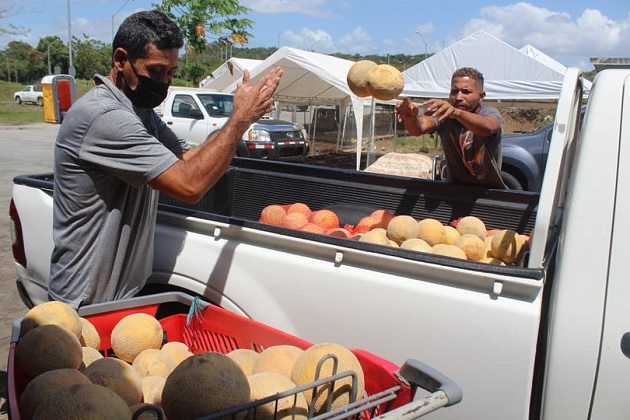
[(114, 155)]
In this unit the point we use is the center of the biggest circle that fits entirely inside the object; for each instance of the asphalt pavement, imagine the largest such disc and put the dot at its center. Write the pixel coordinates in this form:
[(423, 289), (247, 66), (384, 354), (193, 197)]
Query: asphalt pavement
[(24, 149)]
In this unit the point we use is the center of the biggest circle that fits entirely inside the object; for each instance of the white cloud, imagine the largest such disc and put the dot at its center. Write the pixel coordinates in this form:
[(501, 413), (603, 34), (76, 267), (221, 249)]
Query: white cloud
[(556, 33), (315, 8), (309, 39)]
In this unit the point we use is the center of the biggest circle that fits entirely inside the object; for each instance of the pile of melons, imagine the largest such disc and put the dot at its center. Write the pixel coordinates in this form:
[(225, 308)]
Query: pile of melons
[(464, 238), (68, 376), (381, 81)]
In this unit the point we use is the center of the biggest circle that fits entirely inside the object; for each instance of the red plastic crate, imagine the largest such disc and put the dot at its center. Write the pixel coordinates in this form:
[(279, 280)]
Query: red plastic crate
[(215, 329)]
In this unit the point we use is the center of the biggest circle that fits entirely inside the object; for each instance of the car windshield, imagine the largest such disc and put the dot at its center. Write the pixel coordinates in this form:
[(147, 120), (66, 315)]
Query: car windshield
[(217, 105)]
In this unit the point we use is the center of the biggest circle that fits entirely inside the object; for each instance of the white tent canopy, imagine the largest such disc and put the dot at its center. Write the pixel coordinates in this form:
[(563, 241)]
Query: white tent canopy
[(229, 72), (511, 76), (311, 78)]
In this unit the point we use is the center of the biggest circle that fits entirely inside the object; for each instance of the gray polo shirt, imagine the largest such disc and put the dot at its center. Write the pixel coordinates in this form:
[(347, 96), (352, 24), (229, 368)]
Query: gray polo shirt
[(104, 212)]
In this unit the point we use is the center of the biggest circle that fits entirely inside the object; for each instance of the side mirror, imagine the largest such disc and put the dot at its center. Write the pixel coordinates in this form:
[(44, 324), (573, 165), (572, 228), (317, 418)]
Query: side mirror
[(196, 114)]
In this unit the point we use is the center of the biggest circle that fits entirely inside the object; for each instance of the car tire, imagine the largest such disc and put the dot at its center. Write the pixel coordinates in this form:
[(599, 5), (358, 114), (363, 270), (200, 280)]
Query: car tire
[(510, 181), (40, 101), (18, 100)]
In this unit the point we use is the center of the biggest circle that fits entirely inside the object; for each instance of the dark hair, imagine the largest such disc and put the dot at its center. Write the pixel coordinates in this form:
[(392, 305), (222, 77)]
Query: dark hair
[(143, 29), (471, 73)]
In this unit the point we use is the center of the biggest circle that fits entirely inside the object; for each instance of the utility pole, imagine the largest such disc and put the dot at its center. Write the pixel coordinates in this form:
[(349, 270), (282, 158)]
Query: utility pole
[(70, 66), (49, 69), (114, 15), (426, 46)]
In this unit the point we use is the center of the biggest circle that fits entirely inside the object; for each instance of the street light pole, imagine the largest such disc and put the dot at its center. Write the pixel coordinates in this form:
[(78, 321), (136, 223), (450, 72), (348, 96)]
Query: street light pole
[(114, 15), (49, 70), (426, 46), (318, 39), (70, 66)]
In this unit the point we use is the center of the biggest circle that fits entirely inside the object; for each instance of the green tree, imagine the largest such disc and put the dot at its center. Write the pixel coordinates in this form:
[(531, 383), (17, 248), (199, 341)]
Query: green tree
[(23, 59), (59, 55), (200, 20), (90, 57)]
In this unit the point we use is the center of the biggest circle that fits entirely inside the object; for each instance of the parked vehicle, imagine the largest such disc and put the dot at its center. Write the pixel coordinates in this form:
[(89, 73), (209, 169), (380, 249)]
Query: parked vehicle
[(195, 113), (544, 339), (30, 94), (524, 159)]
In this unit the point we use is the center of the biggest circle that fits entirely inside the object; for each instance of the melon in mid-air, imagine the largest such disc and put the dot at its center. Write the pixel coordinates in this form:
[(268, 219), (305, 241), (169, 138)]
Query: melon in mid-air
[(357, 77)]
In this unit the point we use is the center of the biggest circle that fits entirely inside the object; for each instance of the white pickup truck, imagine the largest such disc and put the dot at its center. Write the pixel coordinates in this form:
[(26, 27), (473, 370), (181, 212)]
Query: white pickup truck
[(30, 94), (195, 113), (546, 340)]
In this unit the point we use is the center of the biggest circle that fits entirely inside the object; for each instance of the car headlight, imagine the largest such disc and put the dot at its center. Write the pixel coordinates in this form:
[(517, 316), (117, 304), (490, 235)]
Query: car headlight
[(259, 135)]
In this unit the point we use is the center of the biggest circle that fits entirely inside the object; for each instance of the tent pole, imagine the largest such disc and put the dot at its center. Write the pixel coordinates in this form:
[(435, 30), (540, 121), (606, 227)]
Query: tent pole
[(343, 131)]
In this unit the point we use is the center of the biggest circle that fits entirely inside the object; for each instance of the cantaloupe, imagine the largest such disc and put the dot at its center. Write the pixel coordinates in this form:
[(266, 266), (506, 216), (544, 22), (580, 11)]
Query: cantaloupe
[(449, 251), (492, 261), (89, 335), (52, 312), (357, 77), (472, 245), (294, 220), (245, 358), (135, 333), (375, 236), (382, 217), (385, 82), (450, 235), (146, 411), (179, 351), (152, 387), (279, 359), (47, 347), (266, 384), (154, 362), (402, 227), (305, 369), (211, 382), (417, 244), (272, 215), (118, 376), (488, 245), (431, 231), (83, 402), (327, 219), (90, 354), (506, 246), (473, 225), (44, 385)]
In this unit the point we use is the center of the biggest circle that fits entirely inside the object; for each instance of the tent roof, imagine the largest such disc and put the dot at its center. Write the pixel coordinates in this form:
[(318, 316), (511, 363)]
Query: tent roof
[(229, 72), (510, 75), (308, 78)]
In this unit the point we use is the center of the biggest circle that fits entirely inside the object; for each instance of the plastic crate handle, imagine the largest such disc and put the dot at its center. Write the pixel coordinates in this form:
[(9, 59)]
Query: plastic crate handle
[(425, 377)]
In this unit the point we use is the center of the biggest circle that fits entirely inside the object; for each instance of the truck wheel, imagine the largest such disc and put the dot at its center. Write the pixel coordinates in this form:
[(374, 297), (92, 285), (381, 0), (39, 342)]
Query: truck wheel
[(18, 100), (510, 181), (40, 101)]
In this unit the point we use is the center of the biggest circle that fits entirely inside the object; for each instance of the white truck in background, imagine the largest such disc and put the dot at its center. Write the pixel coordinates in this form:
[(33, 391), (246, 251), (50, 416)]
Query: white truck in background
[(30, 94), (546, 340), (195, 113)]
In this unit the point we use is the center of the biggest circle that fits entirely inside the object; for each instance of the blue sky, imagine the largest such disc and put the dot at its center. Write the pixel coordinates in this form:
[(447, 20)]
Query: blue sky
[(570, 31)]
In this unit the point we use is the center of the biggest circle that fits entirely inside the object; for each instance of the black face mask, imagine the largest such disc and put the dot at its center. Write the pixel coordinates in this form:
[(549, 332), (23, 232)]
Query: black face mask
[(148, 93)]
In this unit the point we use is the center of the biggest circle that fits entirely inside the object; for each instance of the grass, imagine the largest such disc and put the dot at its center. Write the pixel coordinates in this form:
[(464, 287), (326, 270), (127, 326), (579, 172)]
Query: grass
[(12, 113)]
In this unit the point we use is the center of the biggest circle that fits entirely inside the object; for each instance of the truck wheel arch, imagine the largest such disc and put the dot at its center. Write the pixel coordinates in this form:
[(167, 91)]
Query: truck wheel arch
[(18, 100)]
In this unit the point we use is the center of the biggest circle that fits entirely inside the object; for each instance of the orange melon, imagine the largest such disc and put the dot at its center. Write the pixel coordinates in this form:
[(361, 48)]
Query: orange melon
[(300, 208), (472, 245), (357, 77), (135, 333), (294, 220), (313, 228), (325, 218), (431, 231), (52, 312), (382, 217), (83, 402), (473, 225), (272, 215), (339, 232), (118, 376)]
